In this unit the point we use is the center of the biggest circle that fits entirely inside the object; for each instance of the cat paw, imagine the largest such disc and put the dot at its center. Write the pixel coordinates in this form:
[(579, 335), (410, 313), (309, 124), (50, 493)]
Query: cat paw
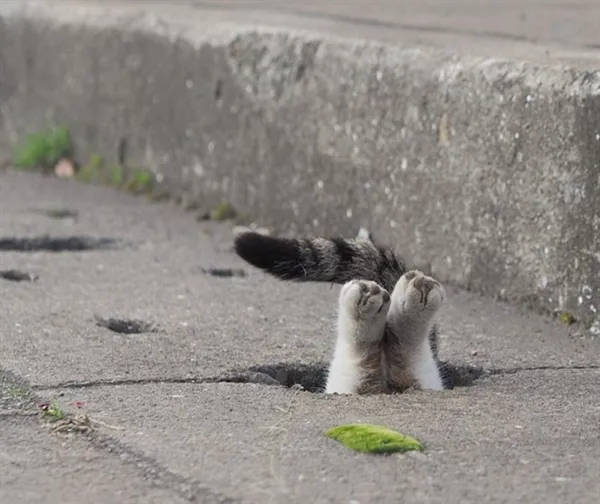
[(419, 293), (364, 300)]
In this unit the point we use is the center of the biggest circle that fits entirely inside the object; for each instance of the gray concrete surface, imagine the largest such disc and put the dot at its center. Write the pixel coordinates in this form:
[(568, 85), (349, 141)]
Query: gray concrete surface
[(485, 169), (562, 31), (35, 465), (527, 430)]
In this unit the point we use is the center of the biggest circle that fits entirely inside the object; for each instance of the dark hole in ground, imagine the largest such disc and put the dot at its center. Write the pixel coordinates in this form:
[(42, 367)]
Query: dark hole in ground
[(224, 272), (18, 276), (58, 213), (459, 375), (57, 244), (126, 326), (312, 377), (218, 89)]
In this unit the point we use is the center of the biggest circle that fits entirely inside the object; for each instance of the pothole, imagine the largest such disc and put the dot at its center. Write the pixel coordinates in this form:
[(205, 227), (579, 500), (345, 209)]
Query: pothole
[(18, 276), (126, 326), (459, 375), (57, 213), (310, 377), (56, 244), (313, 377), (224, 272)]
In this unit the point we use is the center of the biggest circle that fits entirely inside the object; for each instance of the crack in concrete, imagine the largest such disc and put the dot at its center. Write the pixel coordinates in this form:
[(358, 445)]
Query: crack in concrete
[(157, 475), (18, 413), (265, 379), (153, 472), (233, 378), (509, 371), (127, 381)]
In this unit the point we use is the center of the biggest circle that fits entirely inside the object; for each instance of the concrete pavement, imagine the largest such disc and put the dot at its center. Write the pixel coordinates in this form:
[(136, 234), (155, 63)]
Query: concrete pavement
[(178, 428), (465, 133), (559, 31), (35, 465)]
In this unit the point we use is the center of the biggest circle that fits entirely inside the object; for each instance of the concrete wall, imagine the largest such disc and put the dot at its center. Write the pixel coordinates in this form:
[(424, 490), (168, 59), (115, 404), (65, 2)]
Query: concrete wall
[(488, 171)]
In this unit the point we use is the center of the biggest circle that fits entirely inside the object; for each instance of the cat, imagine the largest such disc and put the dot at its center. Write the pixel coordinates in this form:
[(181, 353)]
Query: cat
[(386, 330)]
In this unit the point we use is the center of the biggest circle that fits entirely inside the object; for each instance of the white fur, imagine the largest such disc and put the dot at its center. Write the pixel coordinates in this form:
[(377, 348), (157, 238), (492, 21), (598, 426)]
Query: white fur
[(345, 374), (413, 319), (364, 308), (425, 369)]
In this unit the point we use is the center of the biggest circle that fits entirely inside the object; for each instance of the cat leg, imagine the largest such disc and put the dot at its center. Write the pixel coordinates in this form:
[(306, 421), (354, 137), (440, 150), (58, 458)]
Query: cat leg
[(362, 312), (415, 300)]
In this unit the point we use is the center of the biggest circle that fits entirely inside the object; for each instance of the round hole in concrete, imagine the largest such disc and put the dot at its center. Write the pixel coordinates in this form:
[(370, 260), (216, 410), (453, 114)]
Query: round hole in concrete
[(18, 276), (125, 326), (313, 377), (55, 244)]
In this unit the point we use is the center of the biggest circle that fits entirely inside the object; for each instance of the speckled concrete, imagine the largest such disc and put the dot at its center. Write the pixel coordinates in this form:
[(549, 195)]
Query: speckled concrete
[(484, 169), (525, 431), (36, 465)]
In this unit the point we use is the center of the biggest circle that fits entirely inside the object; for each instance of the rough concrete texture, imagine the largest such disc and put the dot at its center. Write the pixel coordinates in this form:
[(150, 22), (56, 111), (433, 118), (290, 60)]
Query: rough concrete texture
[(36, 466), (484, 169), (276, 439), (525, 431)]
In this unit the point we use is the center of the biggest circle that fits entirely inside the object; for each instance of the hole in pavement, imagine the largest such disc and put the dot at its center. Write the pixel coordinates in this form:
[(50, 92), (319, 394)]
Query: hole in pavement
[(18, 276), (459, 375), (57, 213), (218, 89), (125, 326), (312, 377), (224, 272), (57, 244)]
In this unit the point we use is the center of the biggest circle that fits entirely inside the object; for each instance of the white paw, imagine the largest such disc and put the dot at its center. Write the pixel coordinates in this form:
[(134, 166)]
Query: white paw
[(364, 300), (419, 293)]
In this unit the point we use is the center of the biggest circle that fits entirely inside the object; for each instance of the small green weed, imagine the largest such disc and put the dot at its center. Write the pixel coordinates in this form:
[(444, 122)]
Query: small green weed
[(140, 181), (223, 211), (117, 177), (567, 318), (43, 149), (136, 180), (92, 171), (53, 411)]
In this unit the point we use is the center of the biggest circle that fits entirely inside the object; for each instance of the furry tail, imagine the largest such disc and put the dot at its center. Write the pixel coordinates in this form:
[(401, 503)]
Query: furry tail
[(334, 260)]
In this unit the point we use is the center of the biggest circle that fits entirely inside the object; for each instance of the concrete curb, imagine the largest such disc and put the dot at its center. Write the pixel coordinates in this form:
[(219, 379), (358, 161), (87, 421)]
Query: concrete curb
[(486, 170)]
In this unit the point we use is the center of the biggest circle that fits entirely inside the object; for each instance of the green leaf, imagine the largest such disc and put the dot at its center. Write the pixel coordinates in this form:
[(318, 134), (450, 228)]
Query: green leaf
[(373, 439)]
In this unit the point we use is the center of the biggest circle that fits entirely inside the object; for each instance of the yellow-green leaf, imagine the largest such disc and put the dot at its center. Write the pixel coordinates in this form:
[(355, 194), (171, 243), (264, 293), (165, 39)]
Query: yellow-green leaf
[(373, 439)]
